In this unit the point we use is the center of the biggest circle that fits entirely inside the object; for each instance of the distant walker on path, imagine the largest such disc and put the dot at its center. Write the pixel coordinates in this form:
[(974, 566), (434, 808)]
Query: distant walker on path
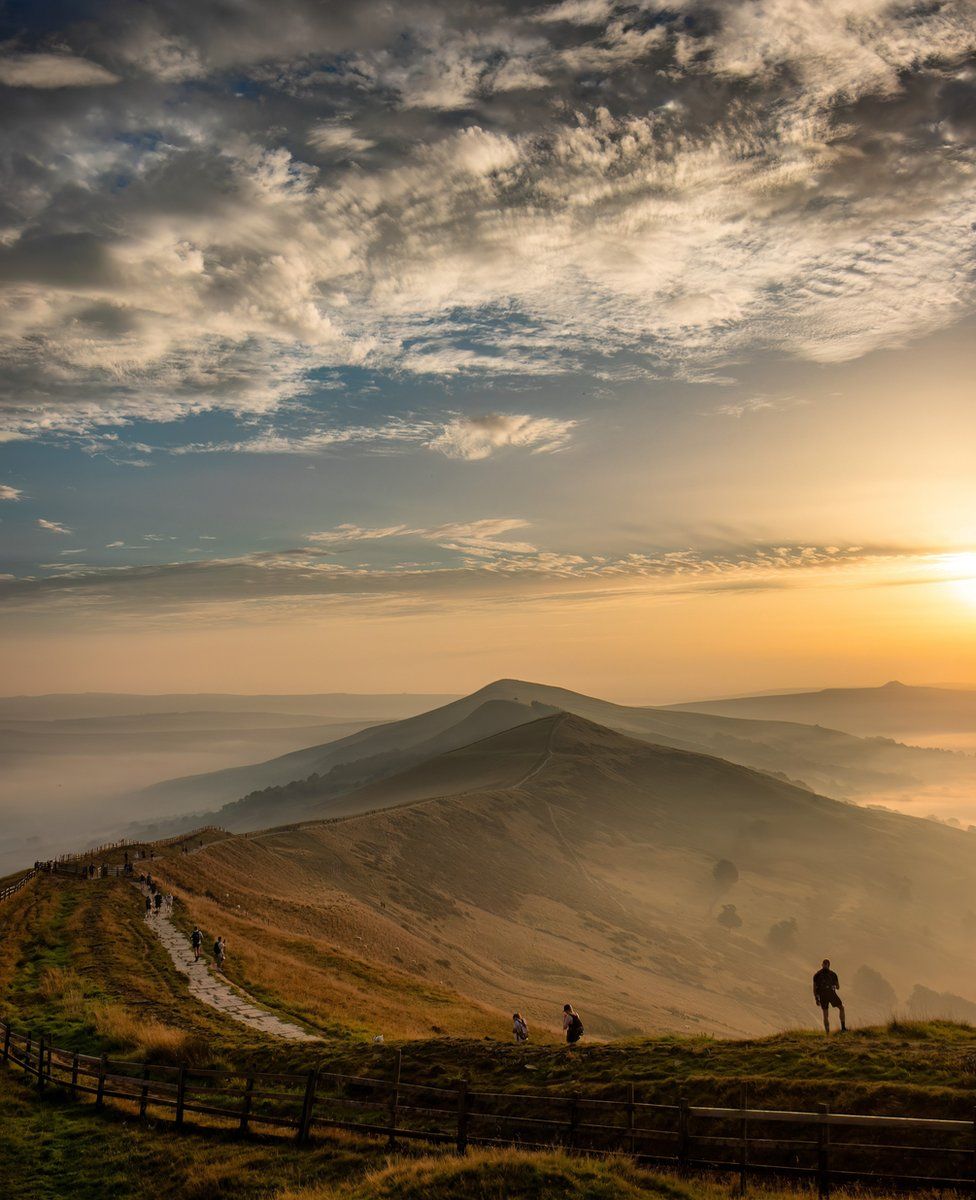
[(219, 953), (196, 941), (520, 1030), (825, 985), (572, 1025)]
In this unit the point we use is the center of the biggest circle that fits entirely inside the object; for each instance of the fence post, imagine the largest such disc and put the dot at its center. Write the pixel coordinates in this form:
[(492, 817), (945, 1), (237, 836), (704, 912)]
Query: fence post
[(40, 1064), (573, 1119), (974, 1150), (682, 1132), (100, 1093), (6, 1042), (823, 1153), (631, 1122), (395, 1098), (144, 1090), (305, 1120), (180, 1095), (246, 1104), (27, 1052), (74, 1076), (744, 1143), (462, 1117)]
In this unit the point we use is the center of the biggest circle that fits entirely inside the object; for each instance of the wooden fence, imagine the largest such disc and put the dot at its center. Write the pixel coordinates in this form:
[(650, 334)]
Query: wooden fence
[(739, 1141), (12, 888)]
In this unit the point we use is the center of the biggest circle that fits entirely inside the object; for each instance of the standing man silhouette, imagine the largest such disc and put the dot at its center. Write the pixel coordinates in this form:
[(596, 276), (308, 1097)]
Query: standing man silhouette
[(825, 985)]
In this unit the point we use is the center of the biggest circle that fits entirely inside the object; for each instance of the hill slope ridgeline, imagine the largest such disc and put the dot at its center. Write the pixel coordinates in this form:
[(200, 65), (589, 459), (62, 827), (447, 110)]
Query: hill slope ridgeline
[(591, 874)]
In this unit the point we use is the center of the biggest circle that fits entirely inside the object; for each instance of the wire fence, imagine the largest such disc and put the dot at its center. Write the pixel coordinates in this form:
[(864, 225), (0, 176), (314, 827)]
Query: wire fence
[(821, 1147)]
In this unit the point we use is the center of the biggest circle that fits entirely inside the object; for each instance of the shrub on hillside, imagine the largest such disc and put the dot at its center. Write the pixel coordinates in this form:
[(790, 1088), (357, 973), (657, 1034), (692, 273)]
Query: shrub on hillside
[(729, 918), (782, 935), (725, 874), (871, 986)]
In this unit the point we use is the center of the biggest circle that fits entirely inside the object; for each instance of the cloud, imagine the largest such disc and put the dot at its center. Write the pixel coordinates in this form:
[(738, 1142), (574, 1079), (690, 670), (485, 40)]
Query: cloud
[(755, 404), (474, 438), (52, 71), (686, 187), (476, 562), (467, 438), (479, 537), (339, 139), (9, 493), (52, 526)]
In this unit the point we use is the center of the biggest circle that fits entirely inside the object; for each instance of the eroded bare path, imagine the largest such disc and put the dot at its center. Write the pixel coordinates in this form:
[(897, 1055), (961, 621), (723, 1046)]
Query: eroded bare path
[(210, 989)]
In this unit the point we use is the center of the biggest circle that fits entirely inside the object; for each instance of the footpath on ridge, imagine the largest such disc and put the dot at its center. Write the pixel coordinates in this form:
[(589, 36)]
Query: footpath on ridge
[(209, 989)]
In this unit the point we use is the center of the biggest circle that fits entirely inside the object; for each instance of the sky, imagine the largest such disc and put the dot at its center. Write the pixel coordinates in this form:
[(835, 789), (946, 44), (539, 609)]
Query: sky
[(373, 347)]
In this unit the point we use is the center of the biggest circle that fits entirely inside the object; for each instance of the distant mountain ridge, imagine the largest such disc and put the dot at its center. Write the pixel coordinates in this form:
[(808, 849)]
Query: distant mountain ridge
[(337, 705), (894, 710), (825, 760)]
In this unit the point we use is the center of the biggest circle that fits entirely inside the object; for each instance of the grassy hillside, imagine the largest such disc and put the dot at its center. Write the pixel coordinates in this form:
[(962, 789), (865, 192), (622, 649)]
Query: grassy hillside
[(51, 1150), (595, 879), (77, 964)]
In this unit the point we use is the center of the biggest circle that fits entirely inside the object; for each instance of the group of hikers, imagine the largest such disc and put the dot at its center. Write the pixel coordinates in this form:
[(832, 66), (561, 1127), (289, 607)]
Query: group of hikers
[(219, 948), (155, 900), (825, 993), (572, 1026)]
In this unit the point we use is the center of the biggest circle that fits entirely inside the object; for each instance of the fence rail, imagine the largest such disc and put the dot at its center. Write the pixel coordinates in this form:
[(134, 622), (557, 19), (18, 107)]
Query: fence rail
[(739, 1140), (12, 888)]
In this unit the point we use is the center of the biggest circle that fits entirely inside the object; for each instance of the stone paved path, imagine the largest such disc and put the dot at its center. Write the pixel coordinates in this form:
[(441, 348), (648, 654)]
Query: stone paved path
[(210, 989)]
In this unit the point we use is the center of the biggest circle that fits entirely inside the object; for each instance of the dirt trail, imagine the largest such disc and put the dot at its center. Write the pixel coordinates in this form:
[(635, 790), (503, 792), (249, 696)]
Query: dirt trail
[(210, 989)]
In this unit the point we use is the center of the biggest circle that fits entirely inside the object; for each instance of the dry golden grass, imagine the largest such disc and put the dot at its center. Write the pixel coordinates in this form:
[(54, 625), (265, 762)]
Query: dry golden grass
[(145, 1037), (66, 988)]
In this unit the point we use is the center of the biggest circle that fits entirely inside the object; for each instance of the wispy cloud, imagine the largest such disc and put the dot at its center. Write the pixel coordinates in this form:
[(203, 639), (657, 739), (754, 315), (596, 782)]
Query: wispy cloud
[(475, 562), (474, 438), (52, 526), (755, 404), (52, 71), (471, 439)]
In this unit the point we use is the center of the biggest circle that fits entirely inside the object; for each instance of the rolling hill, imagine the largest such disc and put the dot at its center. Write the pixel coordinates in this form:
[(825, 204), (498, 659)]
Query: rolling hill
[(583, 866), (929, 715), (837, 764)]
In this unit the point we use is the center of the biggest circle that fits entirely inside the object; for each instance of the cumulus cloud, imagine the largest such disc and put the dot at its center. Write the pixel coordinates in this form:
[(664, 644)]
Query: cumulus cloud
[(9, 493), (684, 187), (51, 71)]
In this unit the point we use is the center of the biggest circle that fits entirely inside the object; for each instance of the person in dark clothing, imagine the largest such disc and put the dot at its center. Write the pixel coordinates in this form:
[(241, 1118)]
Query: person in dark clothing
[(159, 901), (825, 985), (196, 941), (149, 906), (572, 1025)]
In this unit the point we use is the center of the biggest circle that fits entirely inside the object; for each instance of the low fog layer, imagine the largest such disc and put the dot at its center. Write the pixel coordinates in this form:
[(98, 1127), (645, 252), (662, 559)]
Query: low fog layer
[(71, 767)]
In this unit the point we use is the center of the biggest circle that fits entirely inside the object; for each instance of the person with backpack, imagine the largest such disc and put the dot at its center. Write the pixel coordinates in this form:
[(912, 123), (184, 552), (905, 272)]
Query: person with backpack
[(219, 951), (520, 1030), (572, 1025), (159, 901), (196, 941)]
